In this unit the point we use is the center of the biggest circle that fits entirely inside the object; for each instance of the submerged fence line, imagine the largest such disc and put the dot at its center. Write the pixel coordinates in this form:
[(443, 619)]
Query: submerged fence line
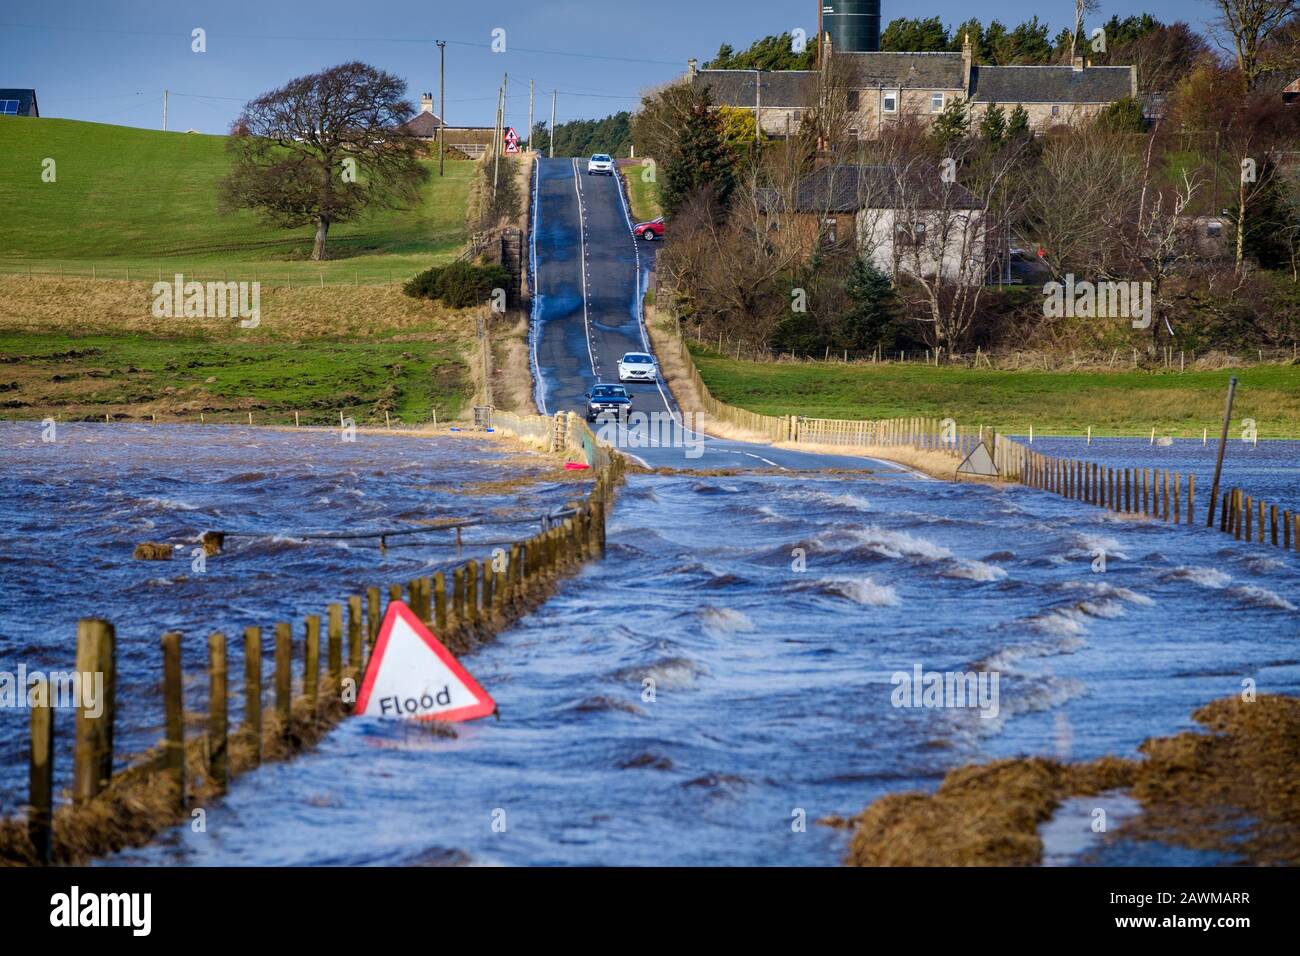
[(464, 607), (1152, 492)]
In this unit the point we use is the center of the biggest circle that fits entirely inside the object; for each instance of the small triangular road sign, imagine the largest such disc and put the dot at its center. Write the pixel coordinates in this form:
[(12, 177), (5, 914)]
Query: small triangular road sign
[(979, 462), (411, 674)]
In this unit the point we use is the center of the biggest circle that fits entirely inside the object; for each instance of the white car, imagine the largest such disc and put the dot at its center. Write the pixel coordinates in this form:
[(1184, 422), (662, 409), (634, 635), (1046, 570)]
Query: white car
[(637, 367), (600, 165)]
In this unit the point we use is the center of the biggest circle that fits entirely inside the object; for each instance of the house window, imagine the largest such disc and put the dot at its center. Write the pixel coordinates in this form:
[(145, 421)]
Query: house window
[(890, 102), (854, 99), (854, 133), (832, 230), (936, 102), (1056, 110), (1213, 230), (910, 234)]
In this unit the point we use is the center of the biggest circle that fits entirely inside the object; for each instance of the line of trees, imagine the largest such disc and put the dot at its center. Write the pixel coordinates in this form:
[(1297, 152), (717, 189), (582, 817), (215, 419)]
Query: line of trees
[(612, 135)]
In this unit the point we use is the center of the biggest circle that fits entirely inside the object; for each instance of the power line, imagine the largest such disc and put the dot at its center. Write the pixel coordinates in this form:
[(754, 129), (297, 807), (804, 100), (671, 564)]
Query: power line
[(335, 39)]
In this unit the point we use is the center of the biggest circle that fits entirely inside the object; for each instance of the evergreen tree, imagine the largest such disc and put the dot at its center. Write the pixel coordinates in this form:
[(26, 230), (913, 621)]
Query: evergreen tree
[(993, 127), (1018, 124), (869, 321), (953, 123), (1123, 116), (701, 162), (914, 36)]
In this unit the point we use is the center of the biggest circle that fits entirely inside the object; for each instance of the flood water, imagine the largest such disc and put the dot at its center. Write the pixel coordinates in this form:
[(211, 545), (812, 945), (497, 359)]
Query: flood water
[(1268, 470), (72, 511), (772, 686)]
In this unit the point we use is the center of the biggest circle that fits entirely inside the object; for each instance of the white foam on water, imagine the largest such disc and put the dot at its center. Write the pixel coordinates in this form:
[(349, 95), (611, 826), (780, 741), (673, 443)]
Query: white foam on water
[(866, 592), (1205, 577), (1102, 589), (1090, 544), (898, 544), (1006, 659), (853, 502), (725, 620), (975, 571), (1253, 596)]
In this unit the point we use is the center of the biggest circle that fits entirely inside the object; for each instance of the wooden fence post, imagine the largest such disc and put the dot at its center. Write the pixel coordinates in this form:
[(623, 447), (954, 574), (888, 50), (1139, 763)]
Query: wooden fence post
[(458, 595), (471, 592), (440, 602), (40, 776), (284, 675), (354, 633), (218, 756), (174, 714), (253, 689), (372, 615), (487, 589), (334, 665), (311, 661), (513, 570), (93, 755)]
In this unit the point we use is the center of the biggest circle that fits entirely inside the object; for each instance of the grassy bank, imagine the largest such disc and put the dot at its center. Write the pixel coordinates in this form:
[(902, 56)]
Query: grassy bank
[(144, 200), (1057, 403), (82, 349), (131, 376), (643, 195)]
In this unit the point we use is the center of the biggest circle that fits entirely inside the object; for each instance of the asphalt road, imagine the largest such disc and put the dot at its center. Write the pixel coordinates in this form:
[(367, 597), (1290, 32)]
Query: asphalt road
[(589, 274)]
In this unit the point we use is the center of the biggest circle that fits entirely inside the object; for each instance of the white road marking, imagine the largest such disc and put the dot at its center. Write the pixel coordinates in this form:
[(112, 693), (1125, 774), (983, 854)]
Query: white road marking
[(582, 243), (539, 390)]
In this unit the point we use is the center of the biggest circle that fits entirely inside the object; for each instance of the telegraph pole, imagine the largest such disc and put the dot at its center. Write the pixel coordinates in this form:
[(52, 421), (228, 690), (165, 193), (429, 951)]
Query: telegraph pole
[(531, 89), (496, 142), (442, 107), (552, 124)]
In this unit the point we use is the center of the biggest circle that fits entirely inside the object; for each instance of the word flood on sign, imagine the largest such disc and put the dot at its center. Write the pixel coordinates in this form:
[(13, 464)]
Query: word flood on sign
[(411, 674)]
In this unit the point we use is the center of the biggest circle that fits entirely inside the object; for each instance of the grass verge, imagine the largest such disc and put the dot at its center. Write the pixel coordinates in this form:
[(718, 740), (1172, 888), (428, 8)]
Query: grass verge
[(1126, 403)]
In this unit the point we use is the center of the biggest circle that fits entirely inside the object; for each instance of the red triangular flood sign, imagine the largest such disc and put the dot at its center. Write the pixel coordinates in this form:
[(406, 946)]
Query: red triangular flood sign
[(412, 675)]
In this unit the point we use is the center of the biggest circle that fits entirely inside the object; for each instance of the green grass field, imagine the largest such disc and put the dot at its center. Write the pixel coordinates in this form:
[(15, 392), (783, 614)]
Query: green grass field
[(144, 200), (133, 376), (644, 196), (1055, 403)]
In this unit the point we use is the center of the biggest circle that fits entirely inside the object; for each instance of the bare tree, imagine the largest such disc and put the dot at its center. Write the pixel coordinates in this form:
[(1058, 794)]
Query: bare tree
[(1249, 25), (324, 148), (945, 217)]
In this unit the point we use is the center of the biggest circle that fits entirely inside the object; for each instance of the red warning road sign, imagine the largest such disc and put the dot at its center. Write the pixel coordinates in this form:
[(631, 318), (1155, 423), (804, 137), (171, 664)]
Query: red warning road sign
[(512, 140), (412, 675)]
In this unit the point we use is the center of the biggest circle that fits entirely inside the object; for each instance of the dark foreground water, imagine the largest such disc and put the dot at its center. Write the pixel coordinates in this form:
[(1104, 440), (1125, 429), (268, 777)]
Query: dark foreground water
[(772, 687), (72, 511)]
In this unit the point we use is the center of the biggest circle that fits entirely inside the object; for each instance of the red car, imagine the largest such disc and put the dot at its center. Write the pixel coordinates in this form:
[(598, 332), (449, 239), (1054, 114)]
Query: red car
[(649, 231)]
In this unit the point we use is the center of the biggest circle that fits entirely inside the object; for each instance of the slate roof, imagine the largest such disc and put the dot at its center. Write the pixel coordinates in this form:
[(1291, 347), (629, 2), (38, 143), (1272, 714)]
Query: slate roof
[(848, 188), (908, 71), (1050, 84), (26, 101), (424, 125), (783, 88)]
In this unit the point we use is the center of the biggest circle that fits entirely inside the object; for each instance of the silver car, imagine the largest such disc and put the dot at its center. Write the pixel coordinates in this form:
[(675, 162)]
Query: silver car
[(637, 367), (600, 165)]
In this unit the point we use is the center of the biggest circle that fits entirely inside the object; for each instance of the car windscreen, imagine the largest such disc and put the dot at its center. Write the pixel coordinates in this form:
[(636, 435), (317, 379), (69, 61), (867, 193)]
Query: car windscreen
[(607, 392), (637, 359)]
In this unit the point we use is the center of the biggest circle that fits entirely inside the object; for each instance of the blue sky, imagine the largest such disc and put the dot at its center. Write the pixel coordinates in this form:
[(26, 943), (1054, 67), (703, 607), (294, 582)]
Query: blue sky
[(110, 61)]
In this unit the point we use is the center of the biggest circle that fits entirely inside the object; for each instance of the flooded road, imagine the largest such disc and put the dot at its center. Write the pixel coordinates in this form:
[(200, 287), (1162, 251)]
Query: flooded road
[(772, 687), (72, 511)]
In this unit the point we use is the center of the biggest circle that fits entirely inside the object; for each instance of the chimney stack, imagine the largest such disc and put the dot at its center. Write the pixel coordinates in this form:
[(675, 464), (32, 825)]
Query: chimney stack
[(426, 102), (1077, 63), (692, 67)]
